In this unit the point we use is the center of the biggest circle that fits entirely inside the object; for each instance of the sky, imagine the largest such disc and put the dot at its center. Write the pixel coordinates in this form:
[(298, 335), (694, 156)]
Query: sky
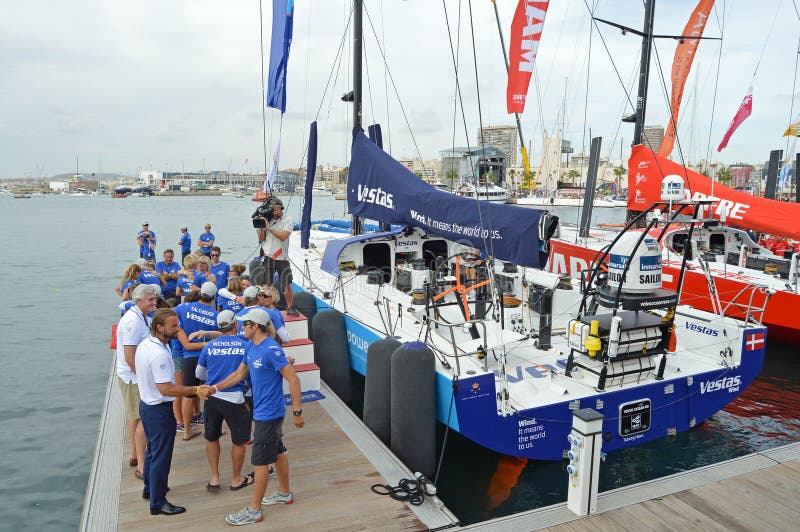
[(151, 85)]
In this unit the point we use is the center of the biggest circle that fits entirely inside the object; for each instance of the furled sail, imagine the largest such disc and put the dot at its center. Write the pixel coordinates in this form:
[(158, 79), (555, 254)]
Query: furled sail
[(380, 188)]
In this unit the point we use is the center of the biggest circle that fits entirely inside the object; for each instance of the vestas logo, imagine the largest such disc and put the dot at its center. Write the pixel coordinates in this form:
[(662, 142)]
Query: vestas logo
[(702, 329), (732, 384), (643, 164), (376, 196)]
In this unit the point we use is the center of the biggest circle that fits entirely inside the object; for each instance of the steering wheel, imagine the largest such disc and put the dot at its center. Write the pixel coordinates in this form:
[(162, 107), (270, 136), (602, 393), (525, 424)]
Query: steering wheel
[(460, 288)]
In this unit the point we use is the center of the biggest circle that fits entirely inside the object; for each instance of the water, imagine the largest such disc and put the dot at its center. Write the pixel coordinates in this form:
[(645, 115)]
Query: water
[(65, 255)]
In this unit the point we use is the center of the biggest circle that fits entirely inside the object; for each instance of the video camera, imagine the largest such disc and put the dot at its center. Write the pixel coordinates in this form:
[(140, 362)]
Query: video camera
[(265, 211)]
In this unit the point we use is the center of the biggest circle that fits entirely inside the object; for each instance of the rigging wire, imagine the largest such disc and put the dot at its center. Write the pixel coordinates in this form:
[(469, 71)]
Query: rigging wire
[(721, 24), (794, 88), (394, 86), (386, 89), (263, 90)]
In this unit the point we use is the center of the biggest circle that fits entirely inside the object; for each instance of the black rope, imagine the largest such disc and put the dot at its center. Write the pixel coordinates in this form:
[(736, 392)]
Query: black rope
[(408, 490)]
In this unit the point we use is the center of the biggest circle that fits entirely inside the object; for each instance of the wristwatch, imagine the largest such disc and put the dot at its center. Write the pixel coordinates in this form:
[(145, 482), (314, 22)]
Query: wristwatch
[(297, 413)]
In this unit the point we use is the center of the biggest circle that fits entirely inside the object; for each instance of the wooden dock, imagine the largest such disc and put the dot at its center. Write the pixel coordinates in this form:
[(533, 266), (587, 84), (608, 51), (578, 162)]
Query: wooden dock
[(333, 462), (754, 492)]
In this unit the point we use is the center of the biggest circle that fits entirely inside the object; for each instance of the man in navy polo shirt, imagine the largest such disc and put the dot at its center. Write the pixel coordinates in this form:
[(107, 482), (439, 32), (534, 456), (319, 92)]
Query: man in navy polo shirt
[(206, 240), (185, 243), (219, 358), (156, 376), (167, 270), (147, 242), (266, 364), (220, 269)]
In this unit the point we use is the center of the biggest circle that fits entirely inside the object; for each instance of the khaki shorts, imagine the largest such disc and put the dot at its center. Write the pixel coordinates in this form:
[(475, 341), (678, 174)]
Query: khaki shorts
[(130, 398)]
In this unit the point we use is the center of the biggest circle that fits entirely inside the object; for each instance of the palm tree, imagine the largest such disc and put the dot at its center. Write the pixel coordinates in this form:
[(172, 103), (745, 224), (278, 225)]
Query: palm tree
[(724, 175), (452, 175), (572, 175)]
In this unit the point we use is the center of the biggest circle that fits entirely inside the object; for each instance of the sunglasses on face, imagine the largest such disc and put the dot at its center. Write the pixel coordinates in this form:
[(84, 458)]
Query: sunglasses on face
[(248, 323), (215, 254)]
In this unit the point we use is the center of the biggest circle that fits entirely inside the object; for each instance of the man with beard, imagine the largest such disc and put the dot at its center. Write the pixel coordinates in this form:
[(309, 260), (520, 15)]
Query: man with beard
[(157, 389)]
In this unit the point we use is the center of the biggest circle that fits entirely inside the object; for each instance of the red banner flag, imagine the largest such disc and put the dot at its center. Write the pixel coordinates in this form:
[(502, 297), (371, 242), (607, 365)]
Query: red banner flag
[(681, 64), (745, 108), (526, 30)]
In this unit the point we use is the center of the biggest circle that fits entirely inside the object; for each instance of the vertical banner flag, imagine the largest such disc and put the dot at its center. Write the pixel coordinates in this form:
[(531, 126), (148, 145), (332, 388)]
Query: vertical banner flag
[(282, 12), (311, 169), (273, 167), (526, 30), (745, 108), (681, 64)]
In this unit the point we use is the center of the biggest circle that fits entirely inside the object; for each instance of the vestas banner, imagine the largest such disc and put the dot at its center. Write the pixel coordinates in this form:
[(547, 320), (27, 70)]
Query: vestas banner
[(382, 189), (646, 171)]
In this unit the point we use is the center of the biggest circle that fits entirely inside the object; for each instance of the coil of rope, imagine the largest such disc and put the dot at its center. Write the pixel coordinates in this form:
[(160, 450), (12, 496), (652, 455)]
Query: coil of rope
[(408, 490)]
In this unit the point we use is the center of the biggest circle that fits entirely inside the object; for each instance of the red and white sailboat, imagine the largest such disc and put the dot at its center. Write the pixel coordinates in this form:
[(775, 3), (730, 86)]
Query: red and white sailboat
[(746, 274)]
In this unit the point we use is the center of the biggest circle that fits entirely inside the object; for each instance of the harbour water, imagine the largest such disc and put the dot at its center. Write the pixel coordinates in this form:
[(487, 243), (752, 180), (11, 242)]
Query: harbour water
[(64, 256)]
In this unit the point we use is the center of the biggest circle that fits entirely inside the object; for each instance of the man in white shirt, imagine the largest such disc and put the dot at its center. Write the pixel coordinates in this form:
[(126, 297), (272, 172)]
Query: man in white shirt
[(157, 390), (275, 246), (133, 327)]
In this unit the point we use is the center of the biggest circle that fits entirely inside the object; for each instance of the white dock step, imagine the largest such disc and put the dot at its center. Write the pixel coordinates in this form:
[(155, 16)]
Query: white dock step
[(296, 325), (309, 377), (302, 350)]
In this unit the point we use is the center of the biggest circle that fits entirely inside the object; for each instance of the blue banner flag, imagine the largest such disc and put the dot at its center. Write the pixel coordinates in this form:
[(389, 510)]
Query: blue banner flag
[(380, 188), (311, 169), (282, 15)]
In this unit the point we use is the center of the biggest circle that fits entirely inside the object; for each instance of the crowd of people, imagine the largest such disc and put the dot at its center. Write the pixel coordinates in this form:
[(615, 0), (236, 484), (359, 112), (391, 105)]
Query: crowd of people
[(199, 345)]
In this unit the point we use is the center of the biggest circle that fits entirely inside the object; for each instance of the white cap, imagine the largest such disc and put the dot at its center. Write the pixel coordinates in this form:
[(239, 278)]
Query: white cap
[(208, 289), (251, 292), (225, 319), (255, 314), (184, 228)]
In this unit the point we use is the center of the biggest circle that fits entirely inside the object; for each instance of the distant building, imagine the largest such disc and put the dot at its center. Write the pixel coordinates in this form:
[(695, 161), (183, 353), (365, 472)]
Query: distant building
[(59, 186), (652, 137), (740, 175), (471, 163), (504, 138)]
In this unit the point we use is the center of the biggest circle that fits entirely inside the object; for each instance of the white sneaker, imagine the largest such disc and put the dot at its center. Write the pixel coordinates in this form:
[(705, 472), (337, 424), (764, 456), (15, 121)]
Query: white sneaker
[(245, 517), (278, 498)]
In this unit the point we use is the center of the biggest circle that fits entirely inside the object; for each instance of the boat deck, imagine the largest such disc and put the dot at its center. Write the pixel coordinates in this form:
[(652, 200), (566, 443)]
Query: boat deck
[(331, 466)]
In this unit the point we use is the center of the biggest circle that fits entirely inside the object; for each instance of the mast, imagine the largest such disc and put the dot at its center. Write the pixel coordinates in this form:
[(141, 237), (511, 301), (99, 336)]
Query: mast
[(357, 44), (644, 70)]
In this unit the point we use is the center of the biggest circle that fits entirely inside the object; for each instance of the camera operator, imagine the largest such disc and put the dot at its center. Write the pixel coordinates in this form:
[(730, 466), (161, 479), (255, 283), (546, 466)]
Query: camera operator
[(274, 239), (147, 242)]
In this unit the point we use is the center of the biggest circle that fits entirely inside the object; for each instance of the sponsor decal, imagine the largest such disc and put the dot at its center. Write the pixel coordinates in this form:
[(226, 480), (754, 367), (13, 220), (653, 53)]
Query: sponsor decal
[(634, 417), (732, 384), (376, 196), (475, 388), (702, 329)]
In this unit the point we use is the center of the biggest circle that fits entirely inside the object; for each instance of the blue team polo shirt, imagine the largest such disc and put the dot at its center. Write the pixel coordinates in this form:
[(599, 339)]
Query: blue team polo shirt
[(265, 361), (221, 357), (221, 272), (194, 317), (144, 249), (186, 242), (162, 267), (228, 304), (148, 277), (207, 237)]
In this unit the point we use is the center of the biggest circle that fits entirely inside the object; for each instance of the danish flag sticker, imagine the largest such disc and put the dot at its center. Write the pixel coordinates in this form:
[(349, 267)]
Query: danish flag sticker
[(754, 341)]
